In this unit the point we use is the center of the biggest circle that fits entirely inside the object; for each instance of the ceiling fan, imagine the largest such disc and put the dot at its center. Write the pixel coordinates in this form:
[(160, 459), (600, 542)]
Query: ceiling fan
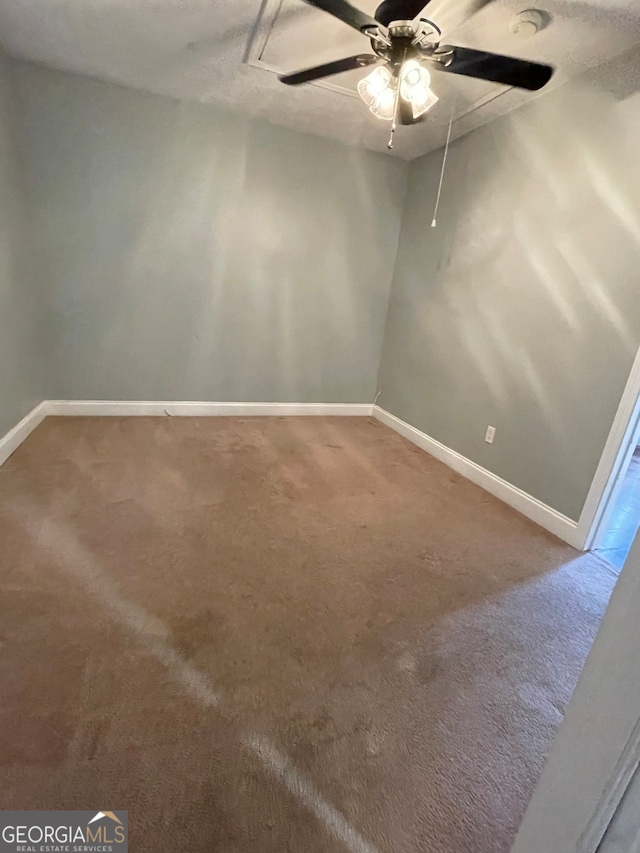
[(404, 48)]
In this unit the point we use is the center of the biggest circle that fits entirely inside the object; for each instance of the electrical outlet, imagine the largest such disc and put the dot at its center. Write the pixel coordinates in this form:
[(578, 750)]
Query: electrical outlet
[(490, 434)]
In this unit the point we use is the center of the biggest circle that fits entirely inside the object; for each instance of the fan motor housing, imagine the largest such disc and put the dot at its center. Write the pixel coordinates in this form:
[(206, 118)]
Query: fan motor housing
[(402, 29)]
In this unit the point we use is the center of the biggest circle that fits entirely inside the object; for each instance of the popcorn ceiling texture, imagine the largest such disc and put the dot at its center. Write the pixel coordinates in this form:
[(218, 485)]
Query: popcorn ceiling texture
[(196, 50)]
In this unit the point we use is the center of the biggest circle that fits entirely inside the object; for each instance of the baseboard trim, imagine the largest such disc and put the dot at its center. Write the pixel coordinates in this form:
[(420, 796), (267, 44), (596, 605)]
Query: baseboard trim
[(14, 438), (561, 526), (128, 408), (106, 408)]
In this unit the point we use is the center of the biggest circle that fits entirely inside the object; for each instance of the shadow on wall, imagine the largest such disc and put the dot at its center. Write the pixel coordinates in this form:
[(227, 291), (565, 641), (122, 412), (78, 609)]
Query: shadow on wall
[(520, 310), (197, 255)]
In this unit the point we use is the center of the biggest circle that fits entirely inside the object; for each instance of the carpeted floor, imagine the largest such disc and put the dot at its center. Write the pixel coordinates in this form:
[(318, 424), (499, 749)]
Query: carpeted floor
[(268, 635)]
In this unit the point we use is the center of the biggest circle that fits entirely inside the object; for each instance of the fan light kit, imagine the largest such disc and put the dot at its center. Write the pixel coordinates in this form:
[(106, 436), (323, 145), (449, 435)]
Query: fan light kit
[(379, 90), (405, 51)]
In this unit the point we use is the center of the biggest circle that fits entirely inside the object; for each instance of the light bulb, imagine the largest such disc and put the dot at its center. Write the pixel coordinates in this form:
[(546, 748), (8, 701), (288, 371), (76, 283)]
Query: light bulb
[(385, 105), (377, 93), (371, 87), (415, 87), (412, 76)]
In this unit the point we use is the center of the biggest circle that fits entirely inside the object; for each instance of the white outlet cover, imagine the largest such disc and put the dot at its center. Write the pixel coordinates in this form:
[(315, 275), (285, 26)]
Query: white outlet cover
[(490, 434)]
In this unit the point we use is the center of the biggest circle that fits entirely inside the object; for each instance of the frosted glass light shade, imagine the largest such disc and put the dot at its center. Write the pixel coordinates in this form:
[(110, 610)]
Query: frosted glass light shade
[(377, 92), (415, 87)]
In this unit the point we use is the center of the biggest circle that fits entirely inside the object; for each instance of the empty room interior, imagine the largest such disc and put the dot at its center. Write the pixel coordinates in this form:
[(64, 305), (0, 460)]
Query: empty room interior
[(319, 380)]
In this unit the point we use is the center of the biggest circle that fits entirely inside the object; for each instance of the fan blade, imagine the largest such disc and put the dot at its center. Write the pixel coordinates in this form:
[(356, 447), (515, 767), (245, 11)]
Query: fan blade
[(494, 67), (412, 8), (399, 10), (319, 71), (346, 13)]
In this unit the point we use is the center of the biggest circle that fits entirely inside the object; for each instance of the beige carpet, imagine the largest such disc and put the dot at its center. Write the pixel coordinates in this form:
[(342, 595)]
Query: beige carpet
[(268, 635)]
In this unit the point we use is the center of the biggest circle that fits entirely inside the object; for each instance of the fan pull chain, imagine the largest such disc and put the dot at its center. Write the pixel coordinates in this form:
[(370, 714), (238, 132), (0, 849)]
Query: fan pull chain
[(394, 124), (444, 161), (396, 106)]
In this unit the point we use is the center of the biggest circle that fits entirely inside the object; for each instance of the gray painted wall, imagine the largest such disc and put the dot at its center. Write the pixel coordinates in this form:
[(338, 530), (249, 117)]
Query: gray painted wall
[(21, 344), (522, 308), (185, 253), (189, 254)]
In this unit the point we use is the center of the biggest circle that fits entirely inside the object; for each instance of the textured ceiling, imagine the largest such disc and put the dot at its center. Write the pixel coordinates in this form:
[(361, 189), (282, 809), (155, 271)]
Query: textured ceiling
[(228, 52)]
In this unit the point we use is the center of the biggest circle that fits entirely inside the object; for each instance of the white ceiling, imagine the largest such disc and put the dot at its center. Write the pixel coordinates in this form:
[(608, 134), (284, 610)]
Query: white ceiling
[(228, 52)]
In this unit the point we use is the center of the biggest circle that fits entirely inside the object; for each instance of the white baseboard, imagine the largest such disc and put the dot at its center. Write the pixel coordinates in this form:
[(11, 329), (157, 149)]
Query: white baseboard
[(14, 438), (561, 526), (545, 516), (105, 408)]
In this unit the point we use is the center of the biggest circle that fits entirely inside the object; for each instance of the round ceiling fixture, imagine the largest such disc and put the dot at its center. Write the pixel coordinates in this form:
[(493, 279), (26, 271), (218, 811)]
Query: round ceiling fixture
[(528, 23)]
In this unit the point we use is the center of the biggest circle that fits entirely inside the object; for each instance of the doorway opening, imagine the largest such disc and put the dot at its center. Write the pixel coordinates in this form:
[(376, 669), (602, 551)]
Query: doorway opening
[(621, 519), (611, 515)]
